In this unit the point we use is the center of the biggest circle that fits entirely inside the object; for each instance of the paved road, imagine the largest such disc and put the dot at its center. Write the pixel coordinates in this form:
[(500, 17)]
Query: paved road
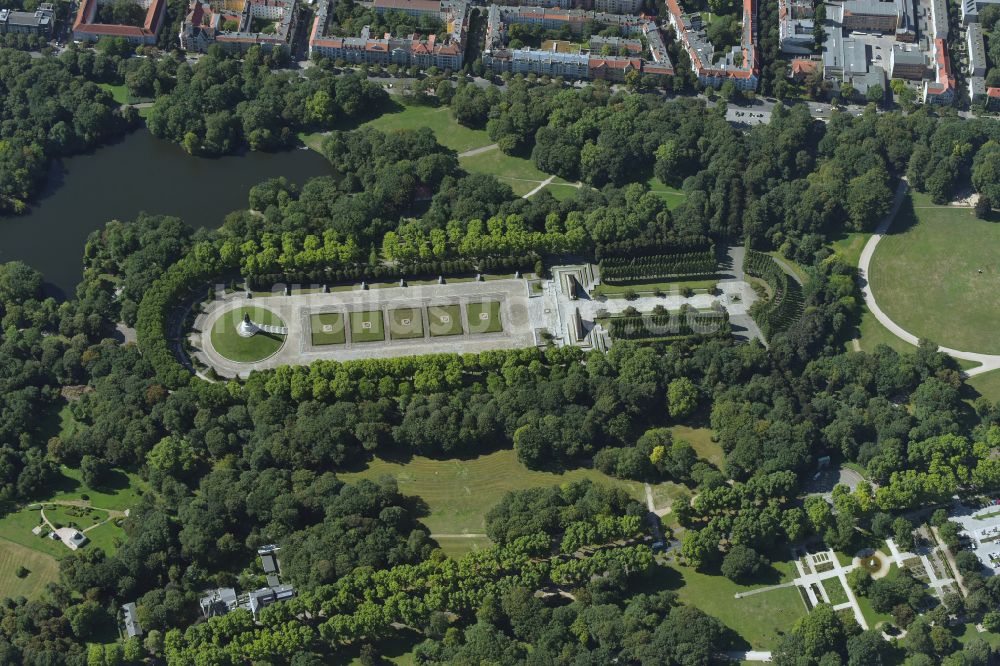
[(988, 361)]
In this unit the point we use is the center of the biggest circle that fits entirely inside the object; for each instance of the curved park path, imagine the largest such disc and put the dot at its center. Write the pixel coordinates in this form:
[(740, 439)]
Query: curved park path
[(988, 361)]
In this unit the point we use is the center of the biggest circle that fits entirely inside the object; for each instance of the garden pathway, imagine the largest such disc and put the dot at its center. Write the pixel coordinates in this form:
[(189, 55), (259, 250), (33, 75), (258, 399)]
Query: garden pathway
[(477, 151), (988, 361), (539, 188)]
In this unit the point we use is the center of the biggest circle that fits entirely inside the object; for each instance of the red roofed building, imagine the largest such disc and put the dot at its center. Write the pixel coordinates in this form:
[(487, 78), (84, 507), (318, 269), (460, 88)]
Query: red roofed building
[(942, 89), (993, 99), (86, 29), (802, 68)]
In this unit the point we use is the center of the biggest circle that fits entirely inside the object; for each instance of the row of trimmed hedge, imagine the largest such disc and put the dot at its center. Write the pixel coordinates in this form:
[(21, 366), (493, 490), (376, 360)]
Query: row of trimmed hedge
[(675, 325), (383, 273), (693, 264), (785, 306)]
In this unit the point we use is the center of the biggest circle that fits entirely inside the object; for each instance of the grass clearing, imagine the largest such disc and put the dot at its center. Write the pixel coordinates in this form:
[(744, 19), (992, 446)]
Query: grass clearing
[(483, 317), (936, 274), (119, 92), (367, 326), (835, 591), (458, 493), (122, 491), (673, 196), (759, 619), (327, 329), (988, 384), (406, 323), (228, 342), (444, 320), (446, 129), (848, 248), (42, 570), (519, 173), (701, 440)]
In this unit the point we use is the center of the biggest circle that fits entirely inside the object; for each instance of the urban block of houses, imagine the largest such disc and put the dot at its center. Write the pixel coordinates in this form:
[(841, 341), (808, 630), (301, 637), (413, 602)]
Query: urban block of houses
[(408, 51), (739, 65), (205, 25), (587, 63), (608, 6), (223, 600), (86, 27), (866, 40), (38, 22), (940, 90), (795, 26)]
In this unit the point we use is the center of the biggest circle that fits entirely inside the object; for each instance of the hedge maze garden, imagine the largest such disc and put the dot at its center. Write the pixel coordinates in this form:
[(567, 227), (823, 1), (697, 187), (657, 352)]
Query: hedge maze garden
[(785, 305)]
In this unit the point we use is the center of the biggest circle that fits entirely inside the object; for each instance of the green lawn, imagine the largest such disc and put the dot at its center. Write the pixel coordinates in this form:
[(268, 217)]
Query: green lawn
[(458, 493), (519, 173), (406, 323), (701, 440), (42, 569), (967, 632), (988, 384), (367, 326), (483, 317), (446, 129), (759, 619), (123, 491), (926, 275), (872, 333), (444, 320), (835, 591), (668, 193), (228, 343), (848, 248), (119, 92), (871, 616), (327, 328)]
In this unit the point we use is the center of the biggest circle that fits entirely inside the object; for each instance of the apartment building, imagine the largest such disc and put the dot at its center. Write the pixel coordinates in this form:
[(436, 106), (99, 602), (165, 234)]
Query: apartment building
[(204, 26), (739, 65), (86, 28), (38, 22)]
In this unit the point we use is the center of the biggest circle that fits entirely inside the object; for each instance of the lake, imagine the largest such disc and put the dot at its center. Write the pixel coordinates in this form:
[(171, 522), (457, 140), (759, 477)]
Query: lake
[(138, 173)]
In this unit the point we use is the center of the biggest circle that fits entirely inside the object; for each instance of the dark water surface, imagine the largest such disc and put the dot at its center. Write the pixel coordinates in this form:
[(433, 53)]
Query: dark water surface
[(139, 173)]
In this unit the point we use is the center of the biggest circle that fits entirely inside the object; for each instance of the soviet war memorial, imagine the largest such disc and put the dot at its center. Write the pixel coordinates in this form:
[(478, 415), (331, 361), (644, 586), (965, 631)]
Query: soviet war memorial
[(542, 332)]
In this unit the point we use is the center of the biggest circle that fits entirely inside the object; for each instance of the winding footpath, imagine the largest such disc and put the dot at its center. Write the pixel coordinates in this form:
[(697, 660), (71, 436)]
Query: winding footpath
[(988, 361)]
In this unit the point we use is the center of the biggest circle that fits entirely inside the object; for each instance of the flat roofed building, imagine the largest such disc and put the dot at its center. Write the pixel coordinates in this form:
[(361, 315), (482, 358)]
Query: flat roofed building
[(977, 89), (38, 22), (218, 602), (618, 6), (977, 50), (409, 7), (907, 63)]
